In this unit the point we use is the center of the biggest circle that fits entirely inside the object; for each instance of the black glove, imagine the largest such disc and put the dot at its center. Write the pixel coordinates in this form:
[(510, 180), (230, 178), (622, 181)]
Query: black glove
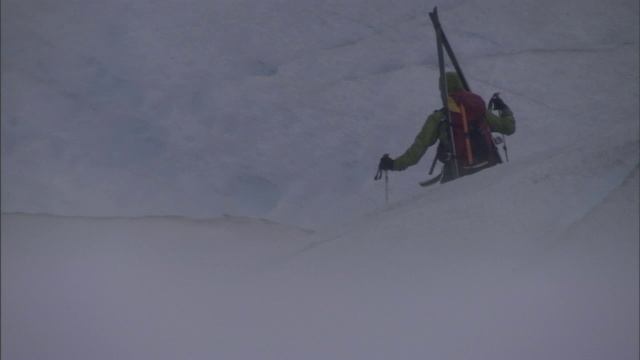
[(497, 103), (386, 163)]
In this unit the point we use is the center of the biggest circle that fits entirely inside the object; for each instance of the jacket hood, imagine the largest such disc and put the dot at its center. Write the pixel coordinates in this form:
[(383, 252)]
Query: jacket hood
[(454, 84)]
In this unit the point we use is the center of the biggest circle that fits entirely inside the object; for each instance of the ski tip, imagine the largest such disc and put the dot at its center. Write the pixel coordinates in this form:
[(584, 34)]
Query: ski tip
[(434, 180)]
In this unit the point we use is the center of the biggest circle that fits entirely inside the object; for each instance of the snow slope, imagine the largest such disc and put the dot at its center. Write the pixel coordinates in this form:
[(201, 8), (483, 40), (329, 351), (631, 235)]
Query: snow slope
[(202, 109), (388, 286), (116, 111)]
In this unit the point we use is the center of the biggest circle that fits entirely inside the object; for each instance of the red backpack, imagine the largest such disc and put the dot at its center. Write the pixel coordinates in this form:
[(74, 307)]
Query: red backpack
[(474, 147)]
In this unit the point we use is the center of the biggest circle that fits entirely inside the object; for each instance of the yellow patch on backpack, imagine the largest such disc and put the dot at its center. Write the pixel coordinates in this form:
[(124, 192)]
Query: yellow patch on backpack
[(453, 106)]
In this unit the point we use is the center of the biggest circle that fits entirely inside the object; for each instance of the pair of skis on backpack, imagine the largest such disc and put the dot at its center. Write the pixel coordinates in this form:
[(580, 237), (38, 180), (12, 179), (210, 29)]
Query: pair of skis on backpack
[(450, 170)]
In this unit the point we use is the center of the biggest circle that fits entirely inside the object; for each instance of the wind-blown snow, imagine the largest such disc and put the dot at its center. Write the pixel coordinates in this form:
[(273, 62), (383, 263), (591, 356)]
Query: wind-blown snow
[(124, 122)]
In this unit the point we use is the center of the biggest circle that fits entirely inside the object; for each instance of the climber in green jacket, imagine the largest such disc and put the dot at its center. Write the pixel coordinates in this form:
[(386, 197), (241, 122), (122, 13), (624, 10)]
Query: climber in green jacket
[(466, 110)]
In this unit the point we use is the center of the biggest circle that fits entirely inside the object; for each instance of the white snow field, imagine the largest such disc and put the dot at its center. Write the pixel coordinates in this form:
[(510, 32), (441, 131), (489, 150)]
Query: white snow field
[(194, 180)]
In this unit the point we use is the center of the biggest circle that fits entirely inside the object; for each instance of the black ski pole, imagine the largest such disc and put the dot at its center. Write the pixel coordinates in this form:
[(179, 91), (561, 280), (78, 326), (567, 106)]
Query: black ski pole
[(504, 140), (386, 183), (386, 187)]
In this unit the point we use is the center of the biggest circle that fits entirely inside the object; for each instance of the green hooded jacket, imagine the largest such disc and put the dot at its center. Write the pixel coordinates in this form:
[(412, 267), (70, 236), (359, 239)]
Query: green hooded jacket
[(503, 123)]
